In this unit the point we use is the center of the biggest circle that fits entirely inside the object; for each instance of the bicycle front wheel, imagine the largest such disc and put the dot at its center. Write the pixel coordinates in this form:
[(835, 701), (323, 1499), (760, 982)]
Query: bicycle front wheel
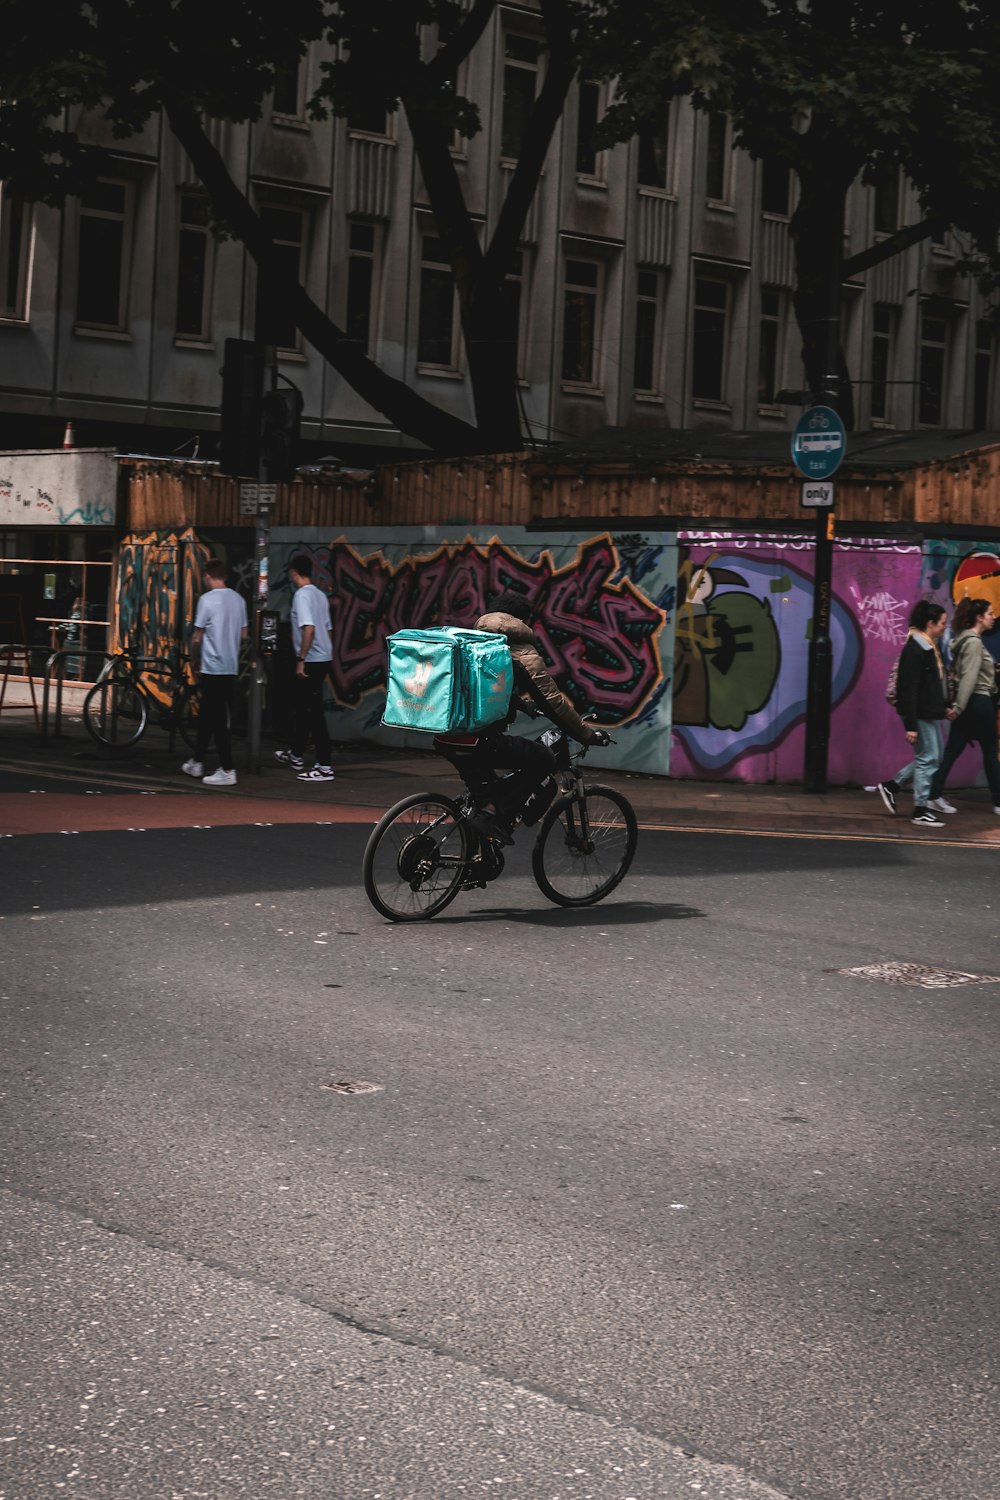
[(114, 710), (415, 859), (584, 848)]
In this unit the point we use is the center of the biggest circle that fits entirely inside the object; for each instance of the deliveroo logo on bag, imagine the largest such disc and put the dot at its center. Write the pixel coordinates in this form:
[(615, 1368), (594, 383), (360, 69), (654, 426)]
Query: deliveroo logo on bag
[(417, 684), (500, 684)]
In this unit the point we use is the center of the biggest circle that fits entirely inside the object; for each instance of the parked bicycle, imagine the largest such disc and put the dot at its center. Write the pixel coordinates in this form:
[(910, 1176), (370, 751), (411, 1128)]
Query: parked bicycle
[(425, 849), (133, 691)]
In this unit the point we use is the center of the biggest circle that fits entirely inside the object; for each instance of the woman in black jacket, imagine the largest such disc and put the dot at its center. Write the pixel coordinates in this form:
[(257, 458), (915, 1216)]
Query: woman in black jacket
[(921, 703)]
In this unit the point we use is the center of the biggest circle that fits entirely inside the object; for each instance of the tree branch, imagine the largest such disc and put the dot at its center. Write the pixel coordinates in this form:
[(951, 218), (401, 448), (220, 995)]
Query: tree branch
[(395, 400), (894, 244), (442, 67)]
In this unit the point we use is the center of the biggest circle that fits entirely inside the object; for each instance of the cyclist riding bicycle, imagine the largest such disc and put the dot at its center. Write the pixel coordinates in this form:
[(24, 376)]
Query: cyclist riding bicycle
[(478, 757)]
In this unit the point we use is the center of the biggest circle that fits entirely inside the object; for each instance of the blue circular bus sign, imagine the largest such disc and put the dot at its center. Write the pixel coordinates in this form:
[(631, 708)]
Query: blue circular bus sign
[(819, 442)]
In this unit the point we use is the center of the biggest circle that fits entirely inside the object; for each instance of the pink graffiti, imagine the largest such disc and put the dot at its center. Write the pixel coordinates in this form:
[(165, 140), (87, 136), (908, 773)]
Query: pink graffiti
[(599, 637)]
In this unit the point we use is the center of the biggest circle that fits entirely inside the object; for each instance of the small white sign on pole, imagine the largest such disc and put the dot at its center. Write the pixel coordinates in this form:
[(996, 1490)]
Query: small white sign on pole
[(265, 496), (248, 499), (817, 492)]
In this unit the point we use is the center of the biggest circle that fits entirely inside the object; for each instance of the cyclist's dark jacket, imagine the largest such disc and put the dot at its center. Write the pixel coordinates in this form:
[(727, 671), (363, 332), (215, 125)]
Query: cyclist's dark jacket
[(531, 675)]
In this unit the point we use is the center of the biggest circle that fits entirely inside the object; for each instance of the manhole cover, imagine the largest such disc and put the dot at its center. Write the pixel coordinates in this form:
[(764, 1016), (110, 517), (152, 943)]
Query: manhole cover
[(352, 1086), (928, 979)]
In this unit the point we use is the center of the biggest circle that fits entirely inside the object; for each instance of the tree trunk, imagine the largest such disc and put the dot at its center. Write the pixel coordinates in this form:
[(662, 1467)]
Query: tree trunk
[(817, 230), (413, 415)]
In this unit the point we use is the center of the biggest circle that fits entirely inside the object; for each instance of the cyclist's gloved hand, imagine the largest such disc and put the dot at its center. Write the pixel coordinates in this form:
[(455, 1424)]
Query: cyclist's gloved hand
[(600, 737)]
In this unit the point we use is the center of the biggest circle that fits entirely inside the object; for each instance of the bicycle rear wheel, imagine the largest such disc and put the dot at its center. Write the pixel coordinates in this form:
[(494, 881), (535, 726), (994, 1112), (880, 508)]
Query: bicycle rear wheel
[(415, 859), (114, 710), (577, 861)]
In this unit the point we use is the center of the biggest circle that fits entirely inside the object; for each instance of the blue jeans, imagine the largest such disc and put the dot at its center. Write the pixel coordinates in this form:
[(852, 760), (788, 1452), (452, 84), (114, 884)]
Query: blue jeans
[(927, 757)]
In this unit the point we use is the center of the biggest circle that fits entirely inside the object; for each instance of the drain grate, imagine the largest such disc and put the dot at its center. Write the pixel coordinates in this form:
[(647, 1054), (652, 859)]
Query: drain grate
[(352, 1086), (928, 979)]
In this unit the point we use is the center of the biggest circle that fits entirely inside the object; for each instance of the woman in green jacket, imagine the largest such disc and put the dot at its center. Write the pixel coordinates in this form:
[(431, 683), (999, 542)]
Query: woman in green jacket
[(975, 696)]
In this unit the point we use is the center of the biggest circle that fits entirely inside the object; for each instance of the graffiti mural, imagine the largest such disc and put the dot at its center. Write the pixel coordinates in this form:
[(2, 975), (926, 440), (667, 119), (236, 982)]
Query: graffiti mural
[(159, 583), (742, 647), (605, 624)]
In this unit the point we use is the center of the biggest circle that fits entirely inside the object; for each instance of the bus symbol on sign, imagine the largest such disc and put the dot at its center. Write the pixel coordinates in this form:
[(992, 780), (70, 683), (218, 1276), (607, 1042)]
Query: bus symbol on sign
[(819, 443)]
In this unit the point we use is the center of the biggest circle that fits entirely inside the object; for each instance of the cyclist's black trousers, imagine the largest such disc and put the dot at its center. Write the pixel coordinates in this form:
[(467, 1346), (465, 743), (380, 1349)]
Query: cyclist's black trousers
[(530, 761), (215, 713)]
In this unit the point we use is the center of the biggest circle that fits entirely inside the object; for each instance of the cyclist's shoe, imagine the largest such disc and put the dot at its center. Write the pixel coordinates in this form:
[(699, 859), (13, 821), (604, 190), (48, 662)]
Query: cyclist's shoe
[(193, 767), (316, 773), (288, 759), (220, 778), (490, 826)]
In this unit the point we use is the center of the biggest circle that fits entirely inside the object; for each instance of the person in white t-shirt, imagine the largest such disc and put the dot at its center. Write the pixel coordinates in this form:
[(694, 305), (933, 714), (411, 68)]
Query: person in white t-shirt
[(313, 654), (220, 628)]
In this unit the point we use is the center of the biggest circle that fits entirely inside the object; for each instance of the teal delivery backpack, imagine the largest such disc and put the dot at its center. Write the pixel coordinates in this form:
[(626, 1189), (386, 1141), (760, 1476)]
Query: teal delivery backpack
[(447, 678)]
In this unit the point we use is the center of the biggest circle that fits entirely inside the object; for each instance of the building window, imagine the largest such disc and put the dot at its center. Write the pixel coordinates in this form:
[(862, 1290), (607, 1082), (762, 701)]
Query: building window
[(645, 363), (717, 159), (520, 83), (654, 156), (437, 326), (287, 228), (580, 321), (194, 269), (368, 118), (711, 310), (883, 339), (769, 357), (933, 360), (775, 187), (588, 115), (105, 239), (886, 212), (15, 219), (288, 95), (982, 376), (516, 309), (362, 251)]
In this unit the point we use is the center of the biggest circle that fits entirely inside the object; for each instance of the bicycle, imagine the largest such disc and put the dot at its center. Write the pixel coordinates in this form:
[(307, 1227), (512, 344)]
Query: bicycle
[(425, 849), (123, 701)]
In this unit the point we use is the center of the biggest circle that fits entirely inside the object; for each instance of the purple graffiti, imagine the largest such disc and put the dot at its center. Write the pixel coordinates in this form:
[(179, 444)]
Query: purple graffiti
[(599, 637)]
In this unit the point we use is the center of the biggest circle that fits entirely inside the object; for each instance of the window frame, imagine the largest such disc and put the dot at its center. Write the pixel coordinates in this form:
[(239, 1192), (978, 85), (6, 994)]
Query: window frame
[(648, 299), (372, 257), (945, 347), (700, 399), (883, 344), (295, 118), (203, 339), (452, 367), (516, 65), (274, 204), (16, 310), (593, 383), (776, 322), (983, 352), (722, 199), (662, 188), (597, 175), (127, 218)]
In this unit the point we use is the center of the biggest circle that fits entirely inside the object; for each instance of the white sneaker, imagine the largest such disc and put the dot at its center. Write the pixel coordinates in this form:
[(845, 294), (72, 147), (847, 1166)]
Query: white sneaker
[(193, 768), (940, 805), (220, 778)]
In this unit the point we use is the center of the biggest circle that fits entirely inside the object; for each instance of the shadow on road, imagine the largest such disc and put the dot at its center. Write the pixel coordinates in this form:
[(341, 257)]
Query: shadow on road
[(621, 914)]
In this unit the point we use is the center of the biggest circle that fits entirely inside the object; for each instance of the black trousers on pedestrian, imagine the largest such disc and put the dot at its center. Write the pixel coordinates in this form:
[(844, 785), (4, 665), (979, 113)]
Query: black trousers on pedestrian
[(976, 724), (217, 693), (308, 716)]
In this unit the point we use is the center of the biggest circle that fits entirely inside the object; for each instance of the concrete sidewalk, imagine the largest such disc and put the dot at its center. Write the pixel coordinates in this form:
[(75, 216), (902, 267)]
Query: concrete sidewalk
[(370, 778)]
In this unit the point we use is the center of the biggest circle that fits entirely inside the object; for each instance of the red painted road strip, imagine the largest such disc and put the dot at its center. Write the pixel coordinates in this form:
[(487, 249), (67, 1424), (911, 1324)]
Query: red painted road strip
[(83, 812)]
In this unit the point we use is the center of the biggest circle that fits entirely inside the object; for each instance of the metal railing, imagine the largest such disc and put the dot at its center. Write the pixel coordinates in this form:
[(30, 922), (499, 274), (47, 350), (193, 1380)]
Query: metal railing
[(53, 667)]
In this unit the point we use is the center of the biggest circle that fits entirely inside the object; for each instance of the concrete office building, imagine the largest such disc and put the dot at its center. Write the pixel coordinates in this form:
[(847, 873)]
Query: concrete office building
[(653, 281)]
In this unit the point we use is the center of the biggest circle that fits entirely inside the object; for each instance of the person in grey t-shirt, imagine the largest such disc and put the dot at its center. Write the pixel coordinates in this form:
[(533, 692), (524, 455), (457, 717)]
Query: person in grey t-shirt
[(220, 629), (313, 654)]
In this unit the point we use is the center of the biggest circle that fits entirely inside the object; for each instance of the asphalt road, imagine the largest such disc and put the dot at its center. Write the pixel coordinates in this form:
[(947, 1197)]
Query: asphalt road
[(645, 1201)]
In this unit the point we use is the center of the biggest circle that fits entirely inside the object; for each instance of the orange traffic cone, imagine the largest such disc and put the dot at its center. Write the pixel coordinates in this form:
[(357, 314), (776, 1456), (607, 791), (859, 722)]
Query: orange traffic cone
[(69, 436)]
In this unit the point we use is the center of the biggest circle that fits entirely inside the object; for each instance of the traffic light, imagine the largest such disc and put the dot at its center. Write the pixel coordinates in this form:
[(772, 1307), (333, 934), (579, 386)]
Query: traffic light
[(280, 414), (242, 384)]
